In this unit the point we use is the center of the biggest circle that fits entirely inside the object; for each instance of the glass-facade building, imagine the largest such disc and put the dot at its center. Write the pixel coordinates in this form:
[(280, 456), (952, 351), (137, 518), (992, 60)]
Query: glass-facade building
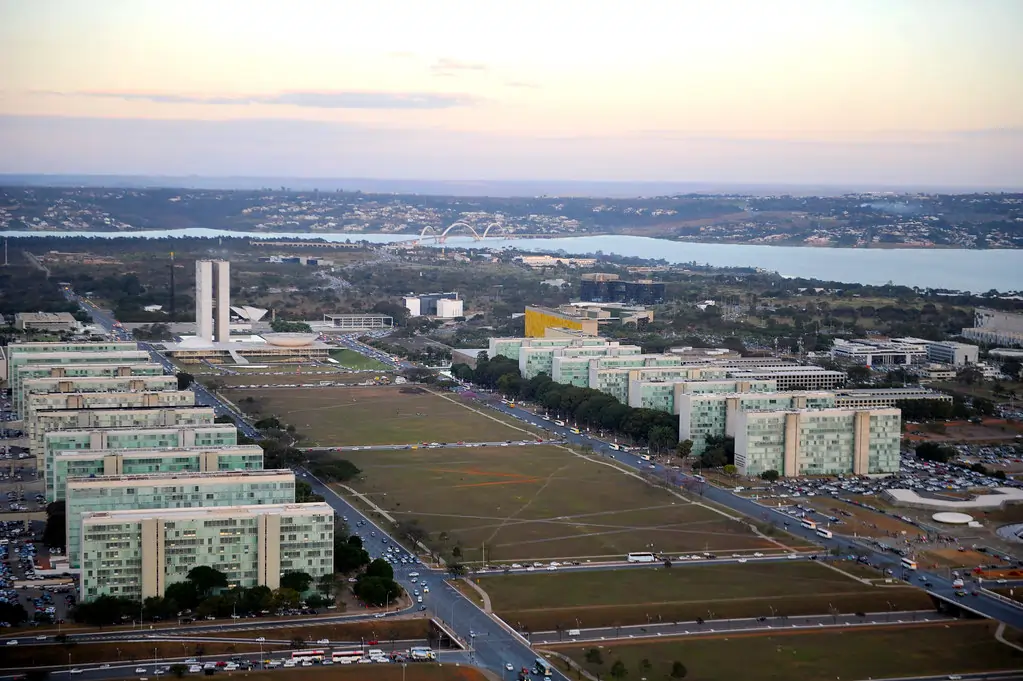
[(171, 490), (574, 369), (139, 553), (75, 371), (705, 415), (17, 360), (818, 442), (72, 441)]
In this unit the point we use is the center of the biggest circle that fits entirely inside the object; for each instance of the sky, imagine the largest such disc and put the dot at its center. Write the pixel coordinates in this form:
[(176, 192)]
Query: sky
[(880, 92)]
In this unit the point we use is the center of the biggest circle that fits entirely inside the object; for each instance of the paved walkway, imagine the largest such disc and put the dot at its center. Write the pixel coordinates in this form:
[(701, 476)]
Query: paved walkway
[(483, 594)]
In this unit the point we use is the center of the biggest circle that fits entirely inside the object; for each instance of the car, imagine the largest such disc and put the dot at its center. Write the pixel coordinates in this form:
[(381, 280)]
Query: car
[(13, 642), (105, 665), (194, 669), (422, 608), (323, 642), (261, 639), (792, 556), (509, 667), (742, 560), (140, 670), (758, 555), (76, 671)]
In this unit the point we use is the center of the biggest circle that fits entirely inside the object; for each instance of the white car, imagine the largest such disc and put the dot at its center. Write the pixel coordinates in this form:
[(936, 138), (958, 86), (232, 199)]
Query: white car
[(194, 669), (758, 555), (792, 556), (76, 671), (261, 639), (323, 642), (140, 670), (13, 642), (742, 560), (508, 667), (552, 567)]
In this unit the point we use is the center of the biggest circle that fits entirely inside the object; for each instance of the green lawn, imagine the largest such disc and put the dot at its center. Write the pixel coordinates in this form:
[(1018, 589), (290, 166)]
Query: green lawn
[(374, 415), (354, 360), (538, 502), (544, 601), (910, 650)]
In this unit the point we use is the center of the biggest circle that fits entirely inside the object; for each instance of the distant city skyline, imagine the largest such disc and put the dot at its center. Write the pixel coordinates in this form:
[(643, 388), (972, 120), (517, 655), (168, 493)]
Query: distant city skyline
[(870, 93)]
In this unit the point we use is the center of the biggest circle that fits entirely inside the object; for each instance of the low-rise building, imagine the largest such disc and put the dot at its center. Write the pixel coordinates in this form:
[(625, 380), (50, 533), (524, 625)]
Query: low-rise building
[(994, 327), (791, 377), (54, 322), (573, 368), (864, 398), (137, 554), (536, 359), (818, 441), (106, 493), (870, 352), (76, 371)]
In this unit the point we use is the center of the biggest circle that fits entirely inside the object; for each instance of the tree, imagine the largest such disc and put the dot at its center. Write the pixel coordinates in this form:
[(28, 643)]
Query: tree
[(285, 598), (411, 530), (969, 375), (662, 438), (859, 375), (185, 380), (678, 670), (55, 532), (380, 568), (456, 569), (349, 557), (376, 591), (593, 656), (644, 665), (184, 594), (297, 581), (931, 451), (206, 579), (684, 449), (618, 670), (355, 540), (770, 475), (730, 470)]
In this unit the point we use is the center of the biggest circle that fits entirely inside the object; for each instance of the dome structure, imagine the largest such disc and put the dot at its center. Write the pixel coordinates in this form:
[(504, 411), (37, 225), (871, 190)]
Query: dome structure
[(290, 340), (952, 518)]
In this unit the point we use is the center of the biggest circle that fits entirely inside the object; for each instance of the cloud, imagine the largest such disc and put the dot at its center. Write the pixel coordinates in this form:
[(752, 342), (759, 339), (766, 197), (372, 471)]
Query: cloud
[(447, 66), (522, 84), (327, 99)]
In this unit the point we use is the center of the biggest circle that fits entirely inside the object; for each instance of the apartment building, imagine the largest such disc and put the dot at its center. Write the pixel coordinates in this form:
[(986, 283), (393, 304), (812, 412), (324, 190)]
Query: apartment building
[(818, 442), (705, 415), (170, 491), (138, 553), (132, 438), (663, 395), (179, 460), (55, 360)]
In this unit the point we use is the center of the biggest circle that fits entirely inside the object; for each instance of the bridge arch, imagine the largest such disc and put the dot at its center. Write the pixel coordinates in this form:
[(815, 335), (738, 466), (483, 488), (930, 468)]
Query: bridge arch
[(494, 224), (422, 234), (444, 234)]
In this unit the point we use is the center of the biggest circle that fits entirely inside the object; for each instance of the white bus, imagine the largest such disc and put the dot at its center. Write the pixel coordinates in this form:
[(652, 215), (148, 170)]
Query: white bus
[(824, 533), (908, 564), (808, 524), (422, 653), (346, 656), (641, 558), (313, 655)]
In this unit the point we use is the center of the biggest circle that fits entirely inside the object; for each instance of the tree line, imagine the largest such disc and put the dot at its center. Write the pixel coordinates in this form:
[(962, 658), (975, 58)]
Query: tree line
[(583, 406)]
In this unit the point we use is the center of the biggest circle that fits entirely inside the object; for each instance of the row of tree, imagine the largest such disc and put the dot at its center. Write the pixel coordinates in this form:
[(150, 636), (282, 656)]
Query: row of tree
[(583, 406)]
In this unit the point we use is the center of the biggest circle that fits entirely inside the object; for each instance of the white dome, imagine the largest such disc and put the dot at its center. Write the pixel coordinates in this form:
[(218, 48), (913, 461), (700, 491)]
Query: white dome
[(290, 340), (952, 518)]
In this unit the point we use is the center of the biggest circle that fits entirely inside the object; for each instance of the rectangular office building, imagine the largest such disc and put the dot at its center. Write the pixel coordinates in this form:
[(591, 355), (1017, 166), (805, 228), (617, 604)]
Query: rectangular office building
[(75, 371), (617, 382), (98, 384), (59, 441), (706, 415), (818, 442), (87, 419), (137, 554), (171, 490), (663, 395), (108, 462), (54, 360)]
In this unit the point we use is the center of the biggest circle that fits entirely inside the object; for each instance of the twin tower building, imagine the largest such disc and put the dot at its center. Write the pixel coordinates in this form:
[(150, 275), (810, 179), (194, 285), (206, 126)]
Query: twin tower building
[(213, 300)]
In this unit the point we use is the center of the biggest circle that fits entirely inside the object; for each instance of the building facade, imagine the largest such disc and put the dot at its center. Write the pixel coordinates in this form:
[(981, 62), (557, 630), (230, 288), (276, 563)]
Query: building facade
[(793, 377), (135, 438), (54, 322), (113, 462), (601, 287), (870, 352), (663, 395), (16, 360), (818, 442), (541, 319), (885, 397), (619, 382), (170, 490), (706, 415), (137, 554), (76, 371), (994, 327)]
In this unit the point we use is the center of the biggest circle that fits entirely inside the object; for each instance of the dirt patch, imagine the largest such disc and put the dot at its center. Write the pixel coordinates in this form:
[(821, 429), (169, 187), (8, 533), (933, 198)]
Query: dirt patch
[(862, 521)]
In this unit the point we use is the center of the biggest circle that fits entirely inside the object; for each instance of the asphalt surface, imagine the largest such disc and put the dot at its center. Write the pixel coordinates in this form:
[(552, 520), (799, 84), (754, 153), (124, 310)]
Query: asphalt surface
[(439, 445)]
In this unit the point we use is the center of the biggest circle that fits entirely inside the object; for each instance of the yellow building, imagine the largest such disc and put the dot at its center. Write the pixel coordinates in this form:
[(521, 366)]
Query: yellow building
[(540, 319)]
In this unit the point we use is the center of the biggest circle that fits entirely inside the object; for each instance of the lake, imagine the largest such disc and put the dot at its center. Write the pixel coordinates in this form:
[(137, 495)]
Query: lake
[(964, 270)]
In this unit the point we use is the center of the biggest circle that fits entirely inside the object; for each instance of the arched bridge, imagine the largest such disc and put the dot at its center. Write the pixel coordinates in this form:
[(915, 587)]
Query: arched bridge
[(443, 236)]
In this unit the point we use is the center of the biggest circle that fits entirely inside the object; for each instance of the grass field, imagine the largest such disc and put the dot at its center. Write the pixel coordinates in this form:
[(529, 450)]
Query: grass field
[(910, 650), (629, 596), (375, 415), (538, 502), (299, 379), (354, 360)]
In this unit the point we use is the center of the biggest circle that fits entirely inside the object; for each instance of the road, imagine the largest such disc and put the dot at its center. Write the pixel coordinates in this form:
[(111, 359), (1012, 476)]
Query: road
[(436, 445)]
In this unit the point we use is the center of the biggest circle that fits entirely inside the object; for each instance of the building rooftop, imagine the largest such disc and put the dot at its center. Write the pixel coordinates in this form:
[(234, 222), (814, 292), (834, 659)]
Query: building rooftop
[(159, 451), (45, 317)]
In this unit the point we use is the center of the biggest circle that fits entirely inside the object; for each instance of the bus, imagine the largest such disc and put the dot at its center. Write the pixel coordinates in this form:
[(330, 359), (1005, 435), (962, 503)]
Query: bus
[(824, 533), (313, 655), (576, 431), (808, 524), (908, 564), (615, 446), (542, 666), (346, 656), (641, 558)]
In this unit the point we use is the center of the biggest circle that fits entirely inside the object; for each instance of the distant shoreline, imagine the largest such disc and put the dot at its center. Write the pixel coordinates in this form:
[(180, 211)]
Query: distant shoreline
[(355, 236)]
